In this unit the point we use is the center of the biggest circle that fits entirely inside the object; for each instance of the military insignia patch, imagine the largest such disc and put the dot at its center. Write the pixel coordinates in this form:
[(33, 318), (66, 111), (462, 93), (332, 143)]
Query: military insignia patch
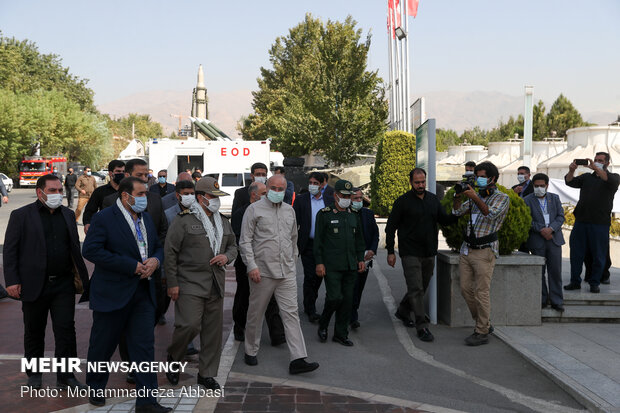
[(347, 186)]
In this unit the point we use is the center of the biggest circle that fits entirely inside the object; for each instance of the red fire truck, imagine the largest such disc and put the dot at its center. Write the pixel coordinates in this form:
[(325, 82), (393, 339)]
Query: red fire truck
[(33, 167)]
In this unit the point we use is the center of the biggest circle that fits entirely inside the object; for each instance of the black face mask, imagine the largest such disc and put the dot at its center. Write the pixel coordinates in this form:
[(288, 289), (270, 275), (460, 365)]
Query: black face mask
[(118, 178)]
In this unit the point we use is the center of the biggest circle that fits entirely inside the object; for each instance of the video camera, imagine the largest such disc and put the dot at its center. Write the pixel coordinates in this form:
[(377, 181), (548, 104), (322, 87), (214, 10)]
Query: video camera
[(460, 187)]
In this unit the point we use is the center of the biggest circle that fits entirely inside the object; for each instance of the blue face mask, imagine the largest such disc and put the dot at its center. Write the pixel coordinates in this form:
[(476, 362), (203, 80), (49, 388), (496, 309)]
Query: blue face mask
[(482, 181), (139, 204), (275, 197), (161, 179), (357, 205)]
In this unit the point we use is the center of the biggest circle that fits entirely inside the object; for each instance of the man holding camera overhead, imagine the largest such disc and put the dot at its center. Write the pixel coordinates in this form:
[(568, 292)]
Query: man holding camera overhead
[(592, 217), (488, 208)]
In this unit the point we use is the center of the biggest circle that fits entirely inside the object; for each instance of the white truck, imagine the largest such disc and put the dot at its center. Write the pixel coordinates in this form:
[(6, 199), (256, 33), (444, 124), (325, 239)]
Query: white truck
[(227, 161)]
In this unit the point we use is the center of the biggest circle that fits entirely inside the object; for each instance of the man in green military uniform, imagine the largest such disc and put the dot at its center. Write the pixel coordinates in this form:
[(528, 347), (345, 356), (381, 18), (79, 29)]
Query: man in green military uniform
[(339, 253)]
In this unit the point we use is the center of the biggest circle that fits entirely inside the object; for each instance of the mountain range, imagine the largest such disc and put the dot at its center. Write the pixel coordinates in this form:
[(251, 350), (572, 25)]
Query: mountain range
[(452, 110)]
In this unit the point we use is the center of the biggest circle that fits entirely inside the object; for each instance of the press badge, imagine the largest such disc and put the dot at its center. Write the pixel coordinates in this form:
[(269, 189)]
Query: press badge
[(546, 216), (335, 230)]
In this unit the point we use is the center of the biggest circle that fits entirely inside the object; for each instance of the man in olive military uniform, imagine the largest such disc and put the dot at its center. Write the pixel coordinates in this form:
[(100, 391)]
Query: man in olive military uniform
[(199, 244), (339, 253)]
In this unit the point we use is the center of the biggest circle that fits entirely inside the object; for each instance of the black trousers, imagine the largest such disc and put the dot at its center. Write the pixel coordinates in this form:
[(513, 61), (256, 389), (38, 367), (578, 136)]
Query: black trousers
[(360, 283), (58, 300), (588, 263), (242, 302), (135, 322), (70, 190), (312, 282)]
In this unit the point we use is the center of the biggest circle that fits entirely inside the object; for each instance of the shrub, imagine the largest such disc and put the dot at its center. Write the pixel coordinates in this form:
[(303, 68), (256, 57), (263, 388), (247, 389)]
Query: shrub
[(389, 178), (512, 234), (569, 220)]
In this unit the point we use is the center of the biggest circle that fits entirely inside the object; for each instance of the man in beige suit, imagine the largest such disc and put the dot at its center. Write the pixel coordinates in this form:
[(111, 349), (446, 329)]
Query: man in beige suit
[(196, 279), (268, 246)]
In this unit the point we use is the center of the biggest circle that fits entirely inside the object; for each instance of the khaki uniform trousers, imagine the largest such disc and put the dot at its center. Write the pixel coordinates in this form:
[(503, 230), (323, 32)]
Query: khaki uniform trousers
[(476, 270), (285, 292), (80, 206), (204, 315)]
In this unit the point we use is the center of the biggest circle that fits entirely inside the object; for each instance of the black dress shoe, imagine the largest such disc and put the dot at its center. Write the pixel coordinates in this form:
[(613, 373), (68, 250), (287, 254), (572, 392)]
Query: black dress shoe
[(322, 335), (572, 286), (239, 333), (173, 377), (152, 408), (280, 340), (131, 378), (595, 289), (355, 325), (425, 334), (302, 366), (406, 320), (96, 401), (344, 341), (558, 307), (208, 382), (314, 317), (250, 360), (35, 381), (70, 382), (606, 281)]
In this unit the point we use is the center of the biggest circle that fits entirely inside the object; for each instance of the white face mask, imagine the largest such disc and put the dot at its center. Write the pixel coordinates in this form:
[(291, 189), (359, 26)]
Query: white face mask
[(344, 202), (261, 179), (188, 200), (521, 178), (540, 191), (313, 189), (599, 165), (214, 205), (53, 200)]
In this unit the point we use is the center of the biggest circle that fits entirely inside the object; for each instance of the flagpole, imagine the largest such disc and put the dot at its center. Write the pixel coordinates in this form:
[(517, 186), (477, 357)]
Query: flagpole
[(391, 83), (407, 80), (403, 80)]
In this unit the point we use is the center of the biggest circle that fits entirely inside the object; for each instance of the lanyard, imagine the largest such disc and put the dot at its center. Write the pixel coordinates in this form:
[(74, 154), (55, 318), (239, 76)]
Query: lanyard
[(141, 241), (543, 205)]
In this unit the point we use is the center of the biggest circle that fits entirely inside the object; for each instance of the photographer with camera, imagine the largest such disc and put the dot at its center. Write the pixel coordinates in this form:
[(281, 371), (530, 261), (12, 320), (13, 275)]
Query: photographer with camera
[(487, 208), (592, 218)]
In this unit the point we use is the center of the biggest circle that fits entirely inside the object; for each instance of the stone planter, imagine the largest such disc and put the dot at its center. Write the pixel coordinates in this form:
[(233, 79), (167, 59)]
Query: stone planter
[(515, 291)]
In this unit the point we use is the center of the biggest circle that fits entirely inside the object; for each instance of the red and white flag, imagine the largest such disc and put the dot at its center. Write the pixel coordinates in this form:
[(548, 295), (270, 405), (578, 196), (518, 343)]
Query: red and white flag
[(412, 7)]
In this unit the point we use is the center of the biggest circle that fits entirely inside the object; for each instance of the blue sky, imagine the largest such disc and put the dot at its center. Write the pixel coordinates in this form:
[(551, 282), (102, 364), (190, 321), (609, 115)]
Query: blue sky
[(130, 46)]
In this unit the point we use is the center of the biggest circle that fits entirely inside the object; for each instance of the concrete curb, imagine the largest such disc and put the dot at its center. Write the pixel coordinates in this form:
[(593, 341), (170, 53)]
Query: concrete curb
[(579, 392)]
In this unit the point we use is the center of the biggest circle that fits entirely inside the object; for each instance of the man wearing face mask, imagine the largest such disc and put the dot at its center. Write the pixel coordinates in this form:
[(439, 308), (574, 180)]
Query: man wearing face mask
[(469, 168), (371, 238), (258, 173), (172, 200), (70, 181), (268, 246), (162, 188), (339, 253), (199, 245), (85, 185), (487, 209), (116, 171), (44, 268), (306, 206), (242, 294), (122, 242), (524, 187), (546, 238), (415, 215), (592, 218)]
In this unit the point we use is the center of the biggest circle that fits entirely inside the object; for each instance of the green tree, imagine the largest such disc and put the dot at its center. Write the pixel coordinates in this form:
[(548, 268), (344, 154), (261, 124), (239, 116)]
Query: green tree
[(445, 138), (23, 69), (389, 178), (506, 130), (475, 136), (563, 116), (539, 122), (144, 127), (319, 96)]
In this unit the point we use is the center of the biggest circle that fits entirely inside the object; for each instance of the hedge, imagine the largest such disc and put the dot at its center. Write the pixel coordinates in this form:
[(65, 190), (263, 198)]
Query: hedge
[(389, 178), (512, 234)]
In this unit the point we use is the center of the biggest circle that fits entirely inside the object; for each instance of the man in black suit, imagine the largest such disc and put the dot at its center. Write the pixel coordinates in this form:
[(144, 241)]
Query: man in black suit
[(371, 238), (242, 295), (116, 171), (306, 206), (258, 173), (70, 181), (44, 268), (162, 188), (122, 243), (524, 187)]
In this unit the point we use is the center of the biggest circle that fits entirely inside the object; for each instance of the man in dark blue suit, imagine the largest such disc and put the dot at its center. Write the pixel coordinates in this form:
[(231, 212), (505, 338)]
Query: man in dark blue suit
[(546, 238), (162, 188), (306, 206), (371, 238), (122, 242)]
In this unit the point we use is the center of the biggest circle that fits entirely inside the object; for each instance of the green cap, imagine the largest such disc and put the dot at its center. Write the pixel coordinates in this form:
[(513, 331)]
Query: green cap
[(344, 187)]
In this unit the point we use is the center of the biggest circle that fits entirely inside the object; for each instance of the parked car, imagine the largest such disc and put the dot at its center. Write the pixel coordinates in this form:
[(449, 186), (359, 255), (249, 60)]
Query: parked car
[(99, 178), (8, 182)]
